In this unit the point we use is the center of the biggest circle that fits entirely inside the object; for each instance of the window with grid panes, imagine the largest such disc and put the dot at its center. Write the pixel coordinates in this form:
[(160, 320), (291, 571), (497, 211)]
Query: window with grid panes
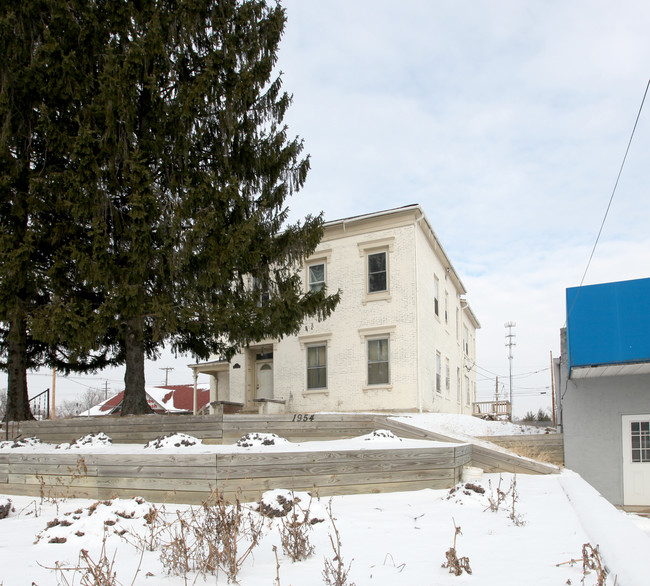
[(640, 431)]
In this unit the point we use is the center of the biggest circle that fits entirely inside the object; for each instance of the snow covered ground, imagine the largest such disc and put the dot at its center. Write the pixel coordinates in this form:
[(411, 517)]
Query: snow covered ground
[(386, 539)]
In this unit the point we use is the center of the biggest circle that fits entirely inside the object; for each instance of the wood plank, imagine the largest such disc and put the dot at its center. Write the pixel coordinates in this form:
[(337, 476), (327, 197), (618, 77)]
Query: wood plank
[(115, 484), (366, 480), (482, 456), (442, 456)]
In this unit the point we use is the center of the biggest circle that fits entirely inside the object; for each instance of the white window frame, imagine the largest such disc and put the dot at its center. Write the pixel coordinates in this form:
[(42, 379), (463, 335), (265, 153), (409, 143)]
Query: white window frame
[(467, 392), (323, 257), (316, 285), (447, 377), (438, 373), (320, 347), (436, 296), (465, 340), (310, 340), (371, 334), (446, 308), (459, 390), (370, 247)]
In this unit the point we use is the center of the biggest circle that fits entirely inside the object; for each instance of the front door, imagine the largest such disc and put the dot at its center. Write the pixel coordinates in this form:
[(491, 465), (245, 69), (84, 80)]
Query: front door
[(636, 459), (264, 379)]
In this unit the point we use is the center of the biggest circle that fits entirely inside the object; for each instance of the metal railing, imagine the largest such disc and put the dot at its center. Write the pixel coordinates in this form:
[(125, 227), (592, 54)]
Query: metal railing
[(39, 405)]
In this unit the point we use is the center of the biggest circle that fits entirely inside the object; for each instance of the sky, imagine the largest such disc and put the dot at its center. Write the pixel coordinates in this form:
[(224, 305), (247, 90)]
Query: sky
[(506, 121)]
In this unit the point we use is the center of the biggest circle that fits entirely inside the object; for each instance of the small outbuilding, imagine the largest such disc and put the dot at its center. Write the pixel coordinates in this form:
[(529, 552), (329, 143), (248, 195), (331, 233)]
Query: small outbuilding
[(603, 389)]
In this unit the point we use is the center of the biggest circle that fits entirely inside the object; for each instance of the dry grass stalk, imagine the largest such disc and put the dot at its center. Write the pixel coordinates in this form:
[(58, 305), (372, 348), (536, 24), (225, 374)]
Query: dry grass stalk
[(515, 517), (61, 488), (591, 562), (294, 531), (455, 564), (496, 497), (218, 536), (335, 573), (277, 566), (89, 571), (499, 497)]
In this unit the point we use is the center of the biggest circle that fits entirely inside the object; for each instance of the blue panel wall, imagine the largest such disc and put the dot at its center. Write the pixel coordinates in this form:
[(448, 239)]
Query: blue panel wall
[(608, 323)]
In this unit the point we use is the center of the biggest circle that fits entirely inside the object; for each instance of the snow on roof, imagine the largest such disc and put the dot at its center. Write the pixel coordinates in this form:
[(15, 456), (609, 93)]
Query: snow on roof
[(163, 399)]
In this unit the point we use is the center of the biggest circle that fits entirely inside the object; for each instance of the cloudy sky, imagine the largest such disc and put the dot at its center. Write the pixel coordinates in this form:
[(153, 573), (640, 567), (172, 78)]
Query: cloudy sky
[(507, 121)]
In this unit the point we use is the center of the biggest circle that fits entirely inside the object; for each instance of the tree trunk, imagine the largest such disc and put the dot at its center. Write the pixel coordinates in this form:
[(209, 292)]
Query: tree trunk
[(17, 397), (135, 397)]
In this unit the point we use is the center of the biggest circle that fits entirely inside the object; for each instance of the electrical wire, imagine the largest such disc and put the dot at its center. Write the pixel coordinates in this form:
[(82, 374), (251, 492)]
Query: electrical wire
[(611, 198)]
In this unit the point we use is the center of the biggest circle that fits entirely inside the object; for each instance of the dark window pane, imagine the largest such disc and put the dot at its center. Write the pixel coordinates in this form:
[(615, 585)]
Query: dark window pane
[(377, 262), (377, 280)]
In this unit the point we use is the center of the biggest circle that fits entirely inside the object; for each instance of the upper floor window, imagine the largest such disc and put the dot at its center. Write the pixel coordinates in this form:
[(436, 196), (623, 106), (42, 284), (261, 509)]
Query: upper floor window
[(446, 307), (377, 272), (376, 259), (316, 276), (466, 340), (436, 295)]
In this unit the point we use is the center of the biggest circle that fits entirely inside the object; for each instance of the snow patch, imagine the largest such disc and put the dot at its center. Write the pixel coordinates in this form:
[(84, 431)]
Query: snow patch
[(251, 440), (174, 440)]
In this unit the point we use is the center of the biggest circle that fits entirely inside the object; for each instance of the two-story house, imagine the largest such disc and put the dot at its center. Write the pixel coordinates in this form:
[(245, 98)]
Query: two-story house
[(403, 336)]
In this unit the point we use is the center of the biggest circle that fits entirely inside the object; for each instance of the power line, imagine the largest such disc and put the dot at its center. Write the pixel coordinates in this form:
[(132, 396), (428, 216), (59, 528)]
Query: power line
[(611, 198)]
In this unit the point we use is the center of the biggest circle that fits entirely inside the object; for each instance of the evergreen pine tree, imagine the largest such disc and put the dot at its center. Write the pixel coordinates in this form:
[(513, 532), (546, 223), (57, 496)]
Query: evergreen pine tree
[(44, 80), (183, 166)]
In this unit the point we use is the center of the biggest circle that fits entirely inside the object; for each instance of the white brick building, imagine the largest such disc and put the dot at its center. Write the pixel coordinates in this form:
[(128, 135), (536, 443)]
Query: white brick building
[(402, 337)]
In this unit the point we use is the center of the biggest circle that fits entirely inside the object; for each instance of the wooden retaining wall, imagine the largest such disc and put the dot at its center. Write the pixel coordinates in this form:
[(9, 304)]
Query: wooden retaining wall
[(190, 478), (485, 457), (130, 429), (546, 447), (299, 427), (217, 429)]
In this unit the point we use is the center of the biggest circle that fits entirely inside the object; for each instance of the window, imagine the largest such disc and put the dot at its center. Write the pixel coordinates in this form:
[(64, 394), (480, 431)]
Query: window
[(317, 367), (467, 391), (438, 373), (436, 291), (458, 389), (378, 372), (375, 255), (377, 272), (447, 377), (316, 276), (466, 340), (446, 308), (640, 441)]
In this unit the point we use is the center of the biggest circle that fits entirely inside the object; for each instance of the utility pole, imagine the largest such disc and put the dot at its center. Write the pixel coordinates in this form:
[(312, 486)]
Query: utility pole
[(105, 390), (552, 390), (509, 344), (166, 369)]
